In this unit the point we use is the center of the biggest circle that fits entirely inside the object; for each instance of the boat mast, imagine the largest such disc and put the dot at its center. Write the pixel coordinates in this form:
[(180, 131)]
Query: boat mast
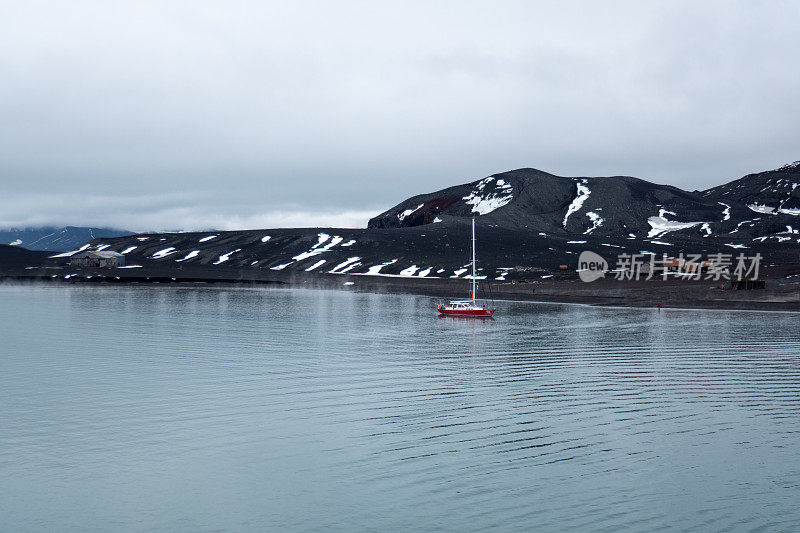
[(473, 259)]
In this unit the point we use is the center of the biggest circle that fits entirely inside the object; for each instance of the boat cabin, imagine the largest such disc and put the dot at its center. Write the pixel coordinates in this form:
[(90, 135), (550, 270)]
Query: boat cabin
[(463, 304)]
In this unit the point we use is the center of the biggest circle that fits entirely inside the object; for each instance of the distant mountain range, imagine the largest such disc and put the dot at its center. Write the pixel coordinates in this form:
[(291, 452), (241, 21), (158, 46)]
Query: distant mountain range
[(57, 239), (529, 223)]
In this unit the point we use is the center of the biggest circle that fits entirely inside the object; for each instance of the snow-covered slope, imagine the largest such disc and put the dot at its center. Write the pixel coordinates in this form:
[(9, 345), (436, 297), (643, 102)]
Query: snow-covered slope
[(528, 221), (604, 207), (764, 206)]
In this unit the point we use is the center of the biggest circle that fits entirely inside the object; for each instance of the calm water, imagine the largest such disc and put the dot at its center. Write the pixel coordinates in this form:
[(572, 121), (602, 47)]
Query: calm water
[(249, 410)]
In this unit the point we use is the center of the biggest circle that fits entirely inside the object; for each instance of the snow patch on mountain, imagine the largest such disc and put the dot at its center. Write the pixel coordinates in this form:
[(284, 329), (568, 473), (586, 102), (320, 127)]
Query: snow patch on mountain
[(315, 265), (660, 225), (318, 248), (73, 252), (408, 272), (376, 269), (404, 214), (769, 210), (726, 213), (502, 273), (164, 253), (577, 202), (778, 238), (349, 264), (765, 209), (190, 255), (597, 221), (225, 257), (781, 236), (459, 272), (489, 194)]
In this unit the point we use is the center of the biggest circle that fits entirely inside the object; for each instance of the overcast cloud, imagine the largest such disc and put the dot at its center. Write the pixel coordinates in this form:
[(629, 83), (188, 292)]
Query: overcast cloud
[(167, 115)]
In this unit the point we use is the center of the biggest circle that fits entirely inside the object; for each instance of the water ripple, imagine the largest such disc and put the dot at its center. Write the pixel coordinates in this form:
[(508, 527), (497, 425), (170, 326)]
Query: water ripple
[(220, 409)]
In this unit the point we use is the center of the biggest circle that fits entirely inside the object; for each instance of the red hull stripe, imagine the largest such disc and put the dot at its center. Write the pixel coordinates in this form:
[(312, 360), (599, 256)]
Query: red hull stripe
[(467, 312)]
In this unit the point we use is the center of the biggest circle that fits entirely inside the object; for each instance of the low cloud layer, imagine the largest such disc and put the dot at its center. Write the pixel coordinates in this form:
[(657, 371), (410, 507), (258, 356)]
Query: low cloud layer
[(142, 213), (193, 114)]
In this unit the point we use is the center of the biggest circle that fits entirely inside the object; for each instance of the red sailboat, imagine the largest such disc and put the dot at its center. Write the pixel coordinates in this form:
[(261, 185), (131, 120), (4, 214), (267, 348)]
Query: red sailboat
[(467, 308)]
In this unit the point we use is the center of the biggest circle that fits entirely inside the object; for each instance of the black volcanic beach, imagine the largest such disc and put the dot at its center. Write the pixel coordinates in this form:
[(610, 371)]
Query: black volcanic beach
[(782, 292)]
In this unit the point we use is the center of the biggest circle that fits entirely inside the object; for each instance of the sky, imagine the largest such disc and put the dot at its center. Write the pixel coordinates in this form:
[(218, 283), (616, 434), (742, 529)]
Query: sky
[(233, 115)]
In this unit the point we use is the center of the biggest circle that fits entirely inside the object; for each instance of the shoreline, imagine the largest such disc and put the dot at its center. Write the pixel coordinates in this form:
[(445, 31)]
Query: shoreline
[(779, 294)]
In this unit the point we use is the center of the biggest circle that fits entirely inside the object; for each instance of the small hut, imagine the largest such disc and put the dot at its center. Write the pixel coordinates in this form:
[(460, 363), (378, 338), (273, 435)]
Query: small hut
[(748, 284), (89, 259)]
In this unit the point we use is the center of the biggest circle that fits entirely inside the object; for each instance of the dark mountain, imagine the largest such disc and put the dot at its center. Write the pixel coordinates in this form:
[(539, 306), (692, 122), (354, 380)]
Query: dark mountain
[(766, 206), (58, 239), (774, 191), (17, 256), (529, 222), (614, 207), (758, 207)]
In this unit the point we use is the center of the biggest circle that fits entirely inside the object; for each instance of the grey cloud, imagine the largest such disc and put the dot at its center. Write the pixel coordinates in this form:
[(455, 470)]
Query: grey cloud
[(262, 113)]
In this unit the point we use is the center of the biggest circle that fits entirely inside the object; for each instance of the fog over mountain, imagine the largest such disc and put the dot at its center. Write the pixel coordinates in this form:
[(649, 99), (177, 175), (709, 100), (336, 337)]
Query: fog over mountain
[(198, 115)]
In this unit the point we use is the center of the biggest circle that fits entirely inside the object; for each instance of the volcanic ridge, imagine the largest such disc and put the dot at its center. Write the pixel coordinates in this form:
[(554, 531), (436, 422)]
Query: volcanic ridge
[(529, 223)]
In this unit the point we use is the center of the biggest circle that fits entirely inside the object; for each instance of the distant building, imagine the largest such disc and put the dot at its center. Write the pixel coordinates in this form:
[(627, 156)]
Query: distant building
[(89, 259)]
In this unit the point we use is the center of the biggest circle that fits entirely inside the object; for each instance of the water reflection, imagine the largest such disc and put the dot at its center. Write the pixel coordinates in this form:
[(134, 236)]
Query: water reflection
[(200, 409)]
